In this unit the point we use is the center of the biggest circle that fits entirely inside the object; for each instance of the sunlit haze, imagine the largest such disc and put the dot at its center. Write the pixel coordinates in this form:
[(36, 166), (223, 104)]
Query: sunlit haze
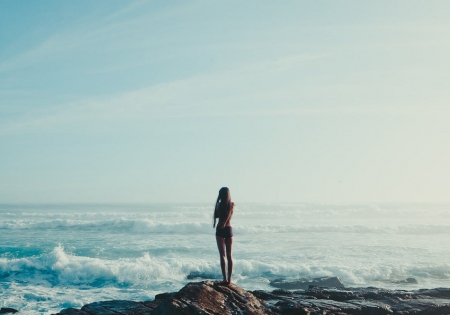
[(167, 101)]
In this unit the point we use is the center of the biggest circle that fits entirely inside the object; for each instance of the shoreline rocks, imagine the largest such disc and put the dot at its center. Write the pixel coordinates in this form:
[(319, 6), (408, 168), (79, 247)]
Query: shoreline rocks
[(330, 282), (209, 297), (206, 297)]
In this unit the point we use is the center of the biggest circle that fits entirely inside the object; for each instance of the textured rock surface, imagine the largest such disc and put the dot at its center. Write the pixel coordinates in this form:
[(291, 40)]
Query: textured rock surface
[(205, 297), (330, 282), (358, 301), (209, 297), (118, 307)]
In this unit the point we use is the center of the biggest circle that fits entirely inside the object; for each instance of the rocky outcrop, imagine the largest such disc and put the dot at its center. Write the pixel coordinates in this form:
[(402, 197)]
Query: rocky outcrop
[(206, 297), (358, 301), (210, 297), (330, 282), (116, 307)]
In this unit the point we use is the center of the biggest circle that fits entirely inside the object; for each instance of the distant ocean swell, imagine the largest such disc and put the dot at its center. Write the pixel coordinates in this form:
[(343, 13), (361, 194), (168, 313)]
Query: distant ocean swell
[(150, 226), (61, 268)]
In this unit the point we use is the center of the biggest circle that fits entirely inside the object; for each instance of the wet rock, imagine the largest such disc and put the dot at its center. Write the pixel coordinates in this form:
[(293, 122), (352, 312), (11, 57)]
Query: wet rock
[(209, 297), (333, 306), (7, 310), (331, 282), (163, 296), (202, 275), (372, 307), (153, 304), (411, 280), (287, 307), (436, 293), (362, 301), (332, 294), (260, 294), (116, 307), (422, 306), (407, 281), (73, 311), (282, 292)]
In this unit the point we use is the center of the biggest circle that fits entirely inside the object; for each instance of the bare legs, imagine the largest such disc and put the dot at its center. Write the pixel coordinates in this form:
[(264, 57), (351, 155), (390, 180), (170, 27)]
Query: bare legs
[(225, 246), (221, 247)]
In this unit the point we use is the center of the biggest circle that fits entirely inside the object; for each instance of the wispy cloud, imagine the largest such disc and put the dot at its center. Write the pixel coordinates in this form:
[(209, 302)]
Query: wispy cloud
[(264, 86), (216, 93), (243, 91)]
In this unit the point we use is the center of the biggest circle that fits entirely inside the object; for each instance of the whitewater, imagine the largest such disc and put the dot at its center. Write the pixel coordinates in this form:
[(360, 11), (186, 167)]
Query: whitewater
[(59, 256)]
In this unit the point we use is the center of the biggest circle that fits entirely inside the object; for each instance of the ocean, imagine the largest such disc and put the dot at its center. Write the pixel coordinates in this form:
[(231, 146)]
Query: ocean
[(59, 256)]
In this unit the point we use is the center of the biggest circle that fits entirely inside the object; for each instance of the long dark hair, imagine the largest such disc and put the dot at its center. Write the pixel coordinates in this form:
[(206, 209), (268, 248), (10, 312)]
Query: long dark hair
[(225, 204)]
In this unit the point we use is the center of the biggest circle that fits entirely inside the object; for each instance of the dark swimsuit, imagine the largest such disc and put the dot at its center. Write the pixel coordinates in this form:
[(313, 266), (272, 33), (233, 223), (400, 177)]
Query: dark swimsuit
[(226, 232)]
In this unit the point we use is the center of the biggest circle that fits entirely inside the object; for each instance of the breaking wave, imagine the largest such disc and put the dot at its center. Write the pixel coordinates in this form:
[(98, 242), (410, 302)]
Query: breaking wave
[(153, 226), (61, 268)]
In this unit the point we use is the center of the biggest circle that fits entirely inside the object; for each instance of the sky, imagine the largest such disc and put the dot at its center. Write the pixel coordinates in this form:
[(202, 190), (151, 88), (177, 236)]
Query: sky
[(168, 101)]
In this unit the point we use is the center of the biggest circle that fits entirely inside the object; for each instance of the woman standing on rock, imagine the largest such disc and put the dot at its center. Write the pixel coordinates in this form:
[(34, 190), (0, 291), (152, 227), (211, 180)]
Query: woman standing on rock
[(224, 233)]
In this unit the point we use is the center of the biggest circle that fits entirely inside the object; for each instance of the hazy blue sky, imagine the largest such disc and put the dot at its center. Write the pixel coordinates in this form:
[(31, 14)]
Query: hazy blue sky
[(167, 101)]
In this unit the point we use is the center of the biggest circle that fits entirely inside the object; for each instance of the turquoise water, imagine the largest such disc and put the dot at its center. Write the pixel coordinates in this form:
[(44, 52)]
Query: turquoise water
[(58, 256)]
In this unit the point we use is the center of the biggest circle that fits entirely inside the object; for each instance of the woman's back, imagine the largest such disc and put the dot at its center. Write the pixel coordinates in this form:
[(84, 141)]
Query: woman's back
[(224, 212)]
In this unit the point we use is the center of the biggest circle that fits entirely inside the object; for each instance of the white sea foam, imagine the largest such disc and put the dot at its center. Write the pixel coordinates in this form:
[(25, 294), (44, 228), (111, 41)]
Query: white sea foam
[(153, 226), (62, 224), (60, 267)]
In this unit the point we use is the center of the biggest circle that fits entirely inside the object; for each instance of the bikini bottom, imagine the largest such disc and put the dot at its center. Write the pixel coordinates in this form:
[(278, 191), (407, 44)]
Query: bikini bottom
[(226, 232)]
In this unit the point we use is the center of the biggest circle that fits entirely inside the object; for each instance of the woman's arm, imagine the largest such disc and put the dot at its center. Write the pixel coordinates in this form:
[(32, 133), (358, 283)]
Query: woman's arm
[(216, 214)]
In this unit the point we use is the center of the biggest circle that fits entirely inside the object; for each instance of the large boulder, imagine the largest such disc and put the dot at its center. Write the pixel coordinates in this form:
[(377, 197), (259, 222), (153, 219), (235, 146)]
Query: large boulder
[(210, 297)]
